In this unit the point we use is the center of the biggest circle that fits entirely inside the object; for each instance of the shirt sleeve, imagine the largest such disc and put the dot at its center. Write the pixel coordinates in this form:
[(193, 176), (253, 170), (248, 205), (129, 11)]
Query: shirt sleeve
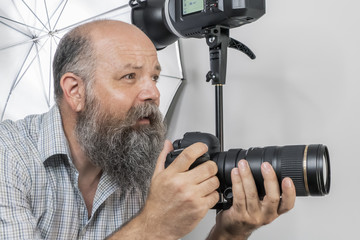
[(16, 218)]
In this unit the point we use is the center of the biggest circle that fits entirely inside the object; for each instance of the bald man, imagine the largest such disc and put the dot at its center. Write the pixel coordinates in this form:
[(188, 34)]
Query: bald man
[(93, 166)]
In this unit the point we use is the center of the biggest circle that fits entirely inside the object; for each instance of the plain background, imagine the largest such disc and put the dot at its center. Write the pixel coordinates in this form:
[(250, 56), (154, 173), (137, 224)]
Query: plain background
[(303, 88)]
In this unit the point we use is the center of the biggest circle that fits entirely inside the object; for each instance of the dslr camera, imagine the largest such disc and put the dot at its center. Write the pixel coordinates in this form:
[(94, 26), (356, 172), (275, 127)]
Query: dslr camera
[(307, 165)]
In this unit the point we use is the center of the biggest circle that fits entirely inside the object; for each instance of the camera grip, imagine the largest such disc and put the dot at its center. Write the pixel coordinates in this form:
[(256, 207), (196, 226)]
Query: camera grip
[(174, 154)]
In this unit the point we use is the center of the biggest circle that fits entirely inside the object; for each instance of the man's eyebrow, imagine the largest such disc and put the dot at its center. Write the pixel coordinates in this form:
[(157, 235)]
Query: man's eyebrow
[(129, 65), (158, 68)]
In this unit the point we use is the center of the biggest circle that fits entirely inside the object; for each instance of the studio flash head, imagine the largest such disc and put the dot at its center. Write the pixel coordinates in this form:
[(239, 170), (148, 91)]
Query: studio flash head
[(164, 21)]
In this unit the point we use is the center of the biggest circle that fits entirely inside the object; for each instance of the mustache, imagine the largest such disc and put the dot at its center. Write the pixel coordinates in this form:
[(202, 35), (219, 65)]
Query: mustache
[(145, 110)]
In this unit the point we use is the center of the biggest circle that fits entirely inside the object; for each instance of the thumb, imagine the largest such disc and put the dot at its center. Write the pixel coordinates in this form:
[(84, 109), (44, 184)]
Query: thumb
[(160, 164)]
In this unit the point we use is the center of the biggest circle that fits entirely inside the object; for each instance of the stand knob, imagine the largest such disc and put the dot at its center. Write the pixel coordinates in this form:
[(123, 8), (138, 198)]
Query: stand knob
[(210, 76)]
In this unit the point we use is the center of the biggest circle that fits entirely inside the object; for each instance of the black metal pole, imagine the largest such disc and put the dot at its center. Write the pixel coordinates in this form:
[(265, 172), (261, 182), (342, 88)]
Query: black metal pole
[(218, 40), (219, 114), (219, 125)]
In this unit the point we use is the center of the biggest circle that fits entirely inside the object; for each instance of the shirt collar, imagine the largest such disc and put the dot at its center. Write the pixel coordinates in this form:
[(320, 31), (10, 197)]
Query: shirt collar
[(52, 140)]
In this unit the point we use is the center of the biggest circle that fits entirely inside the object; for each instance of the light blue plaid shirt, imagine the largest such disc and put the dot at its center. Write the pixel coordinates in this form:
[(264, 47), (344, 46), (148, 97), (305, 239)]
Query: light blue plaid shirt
[(39, 194)]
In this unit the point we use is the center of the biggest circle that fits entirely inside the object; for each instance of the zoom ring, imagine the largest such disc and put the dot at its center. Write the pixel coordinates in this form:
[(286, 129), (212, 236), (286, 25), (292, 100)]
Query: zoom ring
[(292, 166)]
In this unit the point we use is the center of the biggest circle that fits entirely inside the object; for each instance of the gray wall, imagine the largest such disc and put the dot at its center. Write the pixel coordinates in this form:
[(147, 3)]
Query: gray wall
[(303, 88)]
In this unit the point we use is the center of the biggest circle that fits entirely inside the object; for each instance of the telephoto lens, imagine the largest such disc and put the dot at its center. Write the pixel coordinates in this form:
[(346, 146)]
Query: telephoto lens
[(307, 165)]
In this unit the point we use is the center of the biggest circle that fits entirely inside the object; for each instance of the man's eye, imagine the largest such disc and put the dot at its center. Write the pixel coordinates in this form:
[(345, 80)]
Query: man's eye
[(129, 76), (155, 78)]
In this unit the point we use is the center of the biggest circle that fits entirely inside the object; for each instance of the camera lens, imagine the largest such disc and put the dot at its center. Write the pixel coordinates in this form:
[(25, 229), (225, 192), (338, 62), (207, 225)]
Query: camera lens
[(307, 165), (318, 170)]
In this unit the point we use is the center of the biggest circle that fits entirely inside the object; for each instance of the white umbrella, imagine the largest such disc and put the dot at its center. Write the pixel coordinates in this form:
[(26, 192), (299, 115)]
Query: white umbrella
[(30, 31)]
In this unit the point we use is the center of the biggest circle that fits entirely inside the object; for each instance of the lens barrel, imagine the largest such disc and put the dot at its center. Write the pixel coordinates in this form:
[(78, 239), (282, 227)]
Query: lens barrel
[(307, 165)]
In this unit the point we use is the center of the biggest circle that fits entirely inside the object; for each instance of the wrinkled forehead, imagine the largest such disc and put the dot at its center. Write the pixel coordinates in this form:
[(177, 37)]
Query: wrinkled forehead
[(121, 46), (118, 57), (121, 54), (131, 50)]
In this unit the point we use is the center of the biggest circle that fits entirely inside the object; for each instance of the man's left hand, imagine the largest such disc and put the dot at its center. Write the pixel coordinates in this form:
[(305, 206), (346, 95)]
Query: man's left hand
[(248, 212)]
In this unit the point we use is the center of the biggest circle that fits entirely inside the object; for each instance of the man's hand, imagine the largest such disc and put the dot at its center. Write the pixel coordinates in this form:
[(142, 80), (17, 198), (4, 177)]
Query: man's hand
[(248, 212), (178, 198)]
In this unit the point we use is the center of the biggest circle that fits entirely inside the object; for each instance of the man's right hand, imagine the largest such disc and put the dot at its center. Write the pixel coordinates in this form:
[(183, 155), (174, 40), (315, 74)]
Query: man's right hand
[(178, 198)]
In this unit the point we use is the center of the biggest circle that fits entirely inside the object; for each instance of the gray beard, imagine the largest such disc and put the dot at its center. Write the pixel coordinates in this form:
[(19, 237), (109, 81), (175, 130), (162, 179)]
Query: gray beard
[(127, 153)]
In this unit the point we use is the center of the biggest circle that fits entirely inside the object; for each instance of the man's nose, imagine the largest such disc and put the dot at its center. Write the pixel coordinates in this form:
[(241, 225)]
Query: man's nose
[(150, 92)]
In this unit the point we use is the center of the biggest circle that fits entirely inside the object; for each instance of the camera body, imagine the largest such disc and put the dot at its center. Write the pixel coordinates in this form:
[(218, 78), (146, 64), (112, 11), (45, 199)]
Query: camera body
[(190, 138), (307, 165)]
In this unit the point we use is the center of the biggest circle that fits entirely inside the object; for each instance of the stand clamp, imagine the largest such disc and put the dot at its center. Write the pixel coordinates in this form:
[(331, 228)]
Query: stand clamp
[(218, 40)]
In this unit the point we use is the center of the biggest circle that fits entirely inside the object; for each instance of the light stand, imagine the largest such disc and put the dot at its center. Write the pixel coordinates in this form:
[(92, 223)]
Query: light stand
[(218, 40)]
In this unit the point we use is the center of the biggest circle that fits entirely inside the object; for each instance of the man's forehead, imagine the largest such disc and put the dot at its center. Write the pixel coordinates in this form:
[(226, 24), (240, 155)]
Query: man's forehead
[(136, 55), (123, 42), (130, 59), (133, 50), (136, 52), (125, 48)]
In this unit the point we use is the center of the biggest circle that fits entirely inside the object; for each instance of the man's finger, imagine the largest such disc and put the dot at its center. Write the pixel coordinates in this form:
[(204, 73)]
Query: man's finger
[(208, 186), (188, 156), (203, 171), (288, 196), (252, 196), (211, 199), (272, 190), (160, 164), (239, 199)]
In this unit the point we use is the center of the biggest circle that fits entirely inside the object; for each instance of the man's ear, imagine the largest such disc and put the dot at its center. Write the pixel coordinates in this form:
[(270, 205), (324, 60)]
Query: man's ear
[(73, 91)]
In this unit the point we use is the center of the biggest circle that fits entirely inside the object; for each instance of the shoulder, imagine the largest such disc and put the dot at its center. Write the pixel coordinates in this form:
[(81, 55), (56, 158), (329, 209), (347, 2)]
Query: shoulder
[(14, 132), (19, 137), (18, 147)]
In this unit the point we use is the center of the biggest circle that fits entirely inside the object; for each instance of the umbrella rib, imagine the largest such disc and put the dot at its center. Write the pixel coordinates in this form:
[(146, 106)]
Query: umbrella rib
[(20, 23), (52, 15), (35, 15), (50, 71), (24, 42), (41, 72), (31, 62), (21, 16), (57, 38), (88, 19), (57, 8), (15, 80), (173, 77), (57, 20), (9, 26), (16, 44), (47, 14)]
